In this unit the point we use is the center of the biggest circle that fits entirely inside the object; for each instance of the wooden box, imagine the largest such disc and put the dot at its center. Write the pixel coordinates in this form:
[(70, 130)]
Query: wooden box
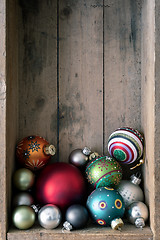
[(73, 71)]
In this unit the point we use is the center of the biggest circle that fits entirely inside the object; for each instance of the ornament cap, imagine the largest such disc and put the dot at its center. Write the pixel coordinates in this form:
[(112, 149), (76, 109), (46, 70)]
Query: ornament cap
[(67, 226), (36, 208), (93, 156), (140, 223), (86, 151), (135, 179), (50, 150), (117, 224)]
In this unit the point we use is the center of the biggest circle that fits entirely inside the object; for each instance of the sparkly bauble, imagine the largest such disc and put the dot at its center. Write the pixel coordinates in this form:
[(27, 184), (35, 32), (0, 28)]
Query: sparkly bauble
[(76, 217), (106, 206), (23, 217), (79, 157), (104, 172), (61, 184), (23, 179), (137, 213), (34, 152), (23, 198), (126, 145), (130, 190), (49, 216)]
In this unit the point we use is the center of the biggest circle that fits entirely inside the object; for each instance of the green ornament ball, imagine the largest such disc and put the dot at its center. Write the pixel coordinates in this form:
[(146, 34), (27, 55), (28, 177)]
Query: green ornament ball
[(23, 217), (23, 179), (104, 172)]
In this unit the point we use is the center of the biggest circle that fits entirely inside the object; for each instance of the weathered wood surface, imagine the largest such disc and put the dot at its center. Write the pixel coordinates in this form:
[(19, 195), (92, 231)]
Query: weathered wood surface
[(148, 109), (80, 76), (3, 214), (38, 69), (129, 232)]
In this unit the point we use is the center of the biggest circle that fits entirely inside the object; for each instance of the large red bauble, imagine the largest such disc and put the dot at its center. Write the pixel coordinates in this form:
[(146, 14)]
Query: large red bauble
[(61, 184), (34, 152)]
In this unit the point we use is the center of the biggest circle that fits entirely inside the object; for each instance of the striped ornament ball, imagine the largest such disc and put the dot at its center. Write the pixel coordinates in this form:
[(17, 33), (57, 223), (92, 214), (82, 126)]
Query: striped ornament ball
[(126, 145)]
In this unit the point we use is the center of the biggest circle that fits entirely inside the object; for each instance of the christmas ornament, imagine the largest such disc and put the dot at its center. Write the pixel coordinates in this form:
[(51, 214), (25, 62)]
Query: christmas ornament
[(49, 216), (23, 217), (61, 184), (23, 198), (76, 217), (106, 207), (79, 157), (130, 190), (34, 152), (23, 179), (104, 171), (126, 145), (137, 213)]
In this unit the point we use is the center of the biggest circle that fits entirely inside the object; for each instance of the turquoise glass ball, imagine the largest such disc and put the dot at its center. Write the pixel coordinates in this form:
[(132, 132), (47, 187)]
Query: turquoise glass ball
[(104, 205), (104, 172)]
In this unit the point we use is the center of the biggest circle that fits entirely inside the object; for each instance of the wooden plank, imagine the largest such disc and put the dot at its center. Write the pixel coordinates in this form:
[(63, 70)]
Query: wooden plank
[(148, 108), (38, 69), (81, 76), (129, 232), (122, 67), (3, 119)]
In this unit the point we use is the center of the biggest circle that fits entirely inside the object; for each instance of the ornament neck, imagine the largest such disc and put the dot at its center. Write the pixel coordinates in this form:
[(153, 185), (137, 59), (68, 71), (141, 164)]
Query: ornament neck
[(117, 224), (139, 223), (86, 151), (135, 180), (49, 150), (67, 226)]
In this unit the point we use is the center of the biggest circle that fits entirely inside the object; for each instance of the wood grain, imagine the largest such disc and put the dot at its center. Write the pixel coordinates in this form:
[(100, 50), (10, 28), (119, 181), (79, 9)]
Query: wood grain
[(122, 67), (81, 76), (38, 69), (129, 232)]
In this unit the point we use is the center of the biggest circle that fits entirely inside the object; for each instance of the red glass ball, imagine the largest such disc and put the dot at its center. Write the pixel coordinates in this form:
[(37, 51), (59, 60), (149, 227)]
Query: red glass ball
[(30, 152), (61, 184)]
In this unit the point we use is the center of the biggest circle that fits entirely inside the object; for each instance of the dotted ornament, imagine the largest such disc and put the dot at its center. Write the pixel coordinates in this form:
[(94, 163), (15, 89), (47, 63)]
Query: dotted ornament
[(104, 172), (105, 204), (126, 145), (30, 152)]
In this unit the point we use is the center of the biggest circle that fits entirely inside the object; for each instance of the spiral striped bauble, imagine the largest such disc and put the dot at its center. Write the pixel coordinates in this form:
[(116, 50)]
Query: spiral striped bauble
[(126, 145)]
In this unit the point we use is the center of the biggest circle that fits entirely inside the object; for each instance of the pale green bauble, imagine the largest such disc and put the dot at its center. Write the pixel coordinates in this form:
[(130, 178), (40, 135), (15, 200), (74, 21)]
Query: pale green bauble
[(23, 179), (23, 217)]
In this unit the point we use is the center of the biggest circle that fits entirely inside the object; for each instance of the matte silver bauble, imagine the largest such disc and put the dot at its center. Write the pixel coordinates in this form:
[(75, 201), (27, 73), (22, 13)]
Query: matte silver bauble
[(22, 198), (23, 217), (130, 190), (49, 216), (137, 213), (79, 157)]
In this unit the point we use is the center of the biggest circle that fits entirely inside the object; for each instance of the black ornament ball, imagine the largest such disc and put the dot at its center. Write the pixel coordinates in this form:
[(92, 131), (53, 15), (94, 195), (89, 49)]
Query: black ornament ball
[(77, 216)]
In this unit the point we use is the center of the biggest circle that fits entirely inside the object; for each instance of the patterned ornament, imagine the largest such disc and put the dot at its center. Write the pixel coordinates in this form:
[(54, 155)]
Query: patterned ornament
[(61, 184), (104, 171), (130, 190), (137, 213), (106, 207), (34, 152), (126, 145)]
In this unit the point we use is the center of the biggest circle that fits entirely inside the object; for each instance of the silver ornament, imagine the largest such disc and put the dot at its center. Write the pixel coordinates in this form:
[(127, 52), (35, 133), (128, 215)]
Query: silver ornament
[(130, 190), (49, 216), (22, 198), (137, 213), (79, 157)]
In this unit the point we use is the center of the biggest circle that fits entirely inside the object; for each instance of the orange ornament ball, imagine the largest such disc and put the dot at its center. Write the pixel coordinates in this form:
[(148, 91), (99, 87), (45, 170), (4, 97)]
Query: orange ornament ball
[(34, 152)]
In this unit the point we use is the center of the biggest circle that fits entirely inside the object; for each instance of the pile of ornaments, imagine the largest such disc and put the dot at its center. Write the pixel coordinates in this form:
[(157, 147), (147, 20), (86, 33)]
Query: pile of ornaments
[(89, 186)]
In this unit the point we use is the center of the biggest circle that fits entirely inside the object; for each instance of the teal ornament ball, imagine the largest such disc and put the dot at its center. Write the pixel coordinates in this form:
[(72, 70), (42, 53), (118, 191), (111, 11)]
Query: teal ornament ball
[(126, 145), (104, 172), (105, 206)]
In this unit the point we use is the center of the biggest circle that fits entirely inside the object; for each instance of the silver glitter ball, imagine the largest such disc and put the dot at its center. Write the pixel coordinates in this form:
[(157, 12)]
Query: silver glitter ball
[(137, 213), (49, 216), (130, 190)]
